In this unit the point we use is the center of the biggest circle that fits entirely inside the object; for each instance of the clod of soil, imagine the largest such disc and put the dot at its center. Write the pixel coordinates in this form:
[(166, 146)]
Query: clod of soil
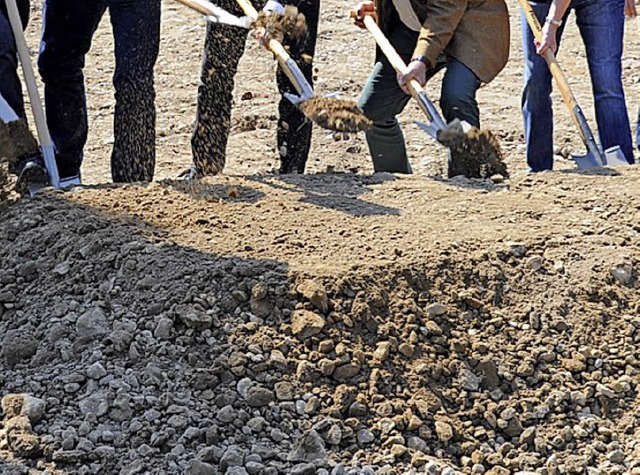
[(336, 114), (474, 154), (291, 24), (16, 140)]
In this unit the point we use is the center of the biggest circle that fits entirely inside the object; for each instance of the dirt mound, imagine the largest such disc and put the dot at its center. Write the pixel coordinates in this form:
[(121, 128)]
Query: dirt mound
[(134, 347)]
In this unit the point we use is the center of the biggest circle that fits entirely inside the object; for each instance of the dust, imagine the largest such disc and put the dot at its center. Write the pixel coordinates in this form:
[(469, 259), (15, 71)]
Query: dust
[(16, 141), (474, 154), (291, 24), (340, 115)]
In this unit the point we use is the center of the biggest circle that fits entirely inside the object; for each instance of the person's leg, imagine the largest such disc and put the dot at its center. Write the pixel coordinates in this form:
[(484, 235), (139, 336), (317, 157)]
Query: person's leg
[(294, 130), (224, 46), (382, 100), (68, 27), (10, 86), (458, 98), (536, 97), (136, 30), (601, 24)]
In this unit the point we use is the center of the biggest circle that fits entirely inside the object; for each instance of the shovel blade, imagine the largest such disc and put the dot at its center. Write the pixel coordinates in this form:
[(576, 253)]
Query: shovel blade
[(428, 128), (587, 161), (614, 157)]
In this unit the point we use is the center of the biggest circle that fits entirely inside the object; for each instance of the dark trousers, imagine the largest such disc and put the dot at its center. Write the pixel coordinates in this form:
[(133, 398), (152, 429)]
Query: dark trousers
[(10, 86), (224, 47), (382, 100), (68, 29)]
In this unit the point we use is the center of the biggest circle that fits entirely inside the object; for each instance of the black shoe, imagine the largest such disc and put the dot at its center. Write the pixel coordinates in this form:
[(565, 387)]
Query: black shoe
[(31, 174)]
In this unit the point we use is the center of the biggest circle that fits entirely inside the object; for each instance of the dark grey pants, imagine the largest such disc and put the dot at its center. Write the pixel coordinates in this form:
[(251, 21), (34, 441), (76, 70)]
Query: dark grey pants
[(223, 49), (382, 100)]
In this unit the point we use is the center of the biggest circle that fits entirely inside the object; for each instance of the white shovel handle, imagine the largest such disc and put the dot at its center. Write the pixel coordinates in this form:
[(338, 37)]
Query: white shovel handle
[(32, 88)]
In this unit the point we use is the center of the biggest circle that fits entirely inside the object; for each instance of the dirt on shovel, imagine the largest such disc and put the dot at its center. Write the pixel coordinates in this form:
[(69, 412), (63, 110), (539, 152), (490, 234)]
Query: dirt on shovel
[(290, 24), (475, 153), (16, 141)]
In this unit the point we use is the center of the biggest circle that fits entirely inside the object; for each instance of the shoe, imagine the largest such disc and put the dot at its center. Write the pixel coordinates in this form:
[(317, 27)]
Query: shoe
[(190, 174), (32, 175), (70, 181)]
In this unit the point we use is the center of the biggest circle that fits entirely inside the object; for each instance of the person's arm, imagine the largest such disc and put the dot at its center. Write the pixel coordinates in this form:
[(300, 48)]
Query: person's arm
[(443, 17), (551, 24)]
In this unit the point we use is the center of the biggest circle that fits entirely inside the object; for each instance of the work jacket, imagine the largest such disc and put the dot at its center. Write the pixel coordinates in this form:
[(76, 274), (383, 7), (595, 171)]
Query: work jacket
[(475, 32)]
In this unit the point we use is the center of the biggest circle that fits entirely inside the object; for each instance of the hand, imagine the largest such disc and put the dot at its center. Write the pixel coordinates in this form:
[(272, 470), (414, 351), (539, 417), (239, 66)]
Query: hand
[(630, 8), (548, 39), (273, 6), (366, 8), (416, 70)]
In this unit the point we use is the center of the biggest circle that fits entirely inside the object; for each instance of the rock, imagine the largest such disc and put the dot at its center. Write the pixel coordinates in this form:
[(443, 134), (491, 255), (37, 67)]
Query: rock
[(23, 405), (489, 372), (468, 380), (528, 435), (444, 431), (346, 371), (382, 351), (303, 469), (257, 396), (96, 371), (517, 249), (305, 324), (534, 263), (334, 435), (284, 391), (96, 404), (236, 471), (435, 309), (232, 457), (416, 443), (121, 410), (622, 274), (92, 325), (315, 293), (254, 468), (419, 459), (243, 387), (197, 467), (227, 414), (616, 456), (163, 329), (365, 437), (18, 346), (309, 448), (193, 318), (406, 349)]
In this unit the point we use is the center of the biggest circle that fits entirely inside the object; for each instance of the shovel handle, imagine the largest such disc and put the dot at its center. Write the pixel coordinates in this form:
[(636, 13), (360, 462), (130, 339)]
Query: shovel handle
[(286, 63), (396, 61), (556, 72), (32, 89)]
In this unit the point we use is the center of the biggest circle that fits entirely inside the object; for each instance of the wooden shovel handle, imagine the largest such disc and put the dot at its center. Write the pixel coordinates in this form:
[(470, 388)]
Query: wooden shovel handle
[(556, 72), (274, 45), (392, 55)]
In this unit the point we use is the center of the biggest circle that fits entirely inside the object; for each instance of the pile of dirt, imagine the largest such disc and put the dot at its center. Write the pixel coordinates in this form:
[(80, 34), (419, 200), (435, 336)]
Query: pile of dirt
[(128, 351)]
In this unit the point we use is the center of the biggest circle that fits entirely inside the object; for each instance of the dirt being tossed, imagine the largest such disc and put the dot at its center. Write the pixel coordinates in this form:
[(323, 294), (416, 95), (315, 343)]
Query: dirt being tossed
[(340, 115), (475, 153), (16, 141), (290, 24)]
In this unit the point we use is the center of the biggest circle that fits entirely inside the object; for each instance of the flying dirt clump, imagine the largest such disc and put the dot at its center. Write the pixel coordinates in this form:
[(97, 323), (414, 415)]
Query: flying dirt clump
[(475, 153), (16, 141), (290, 24), (335, 114)]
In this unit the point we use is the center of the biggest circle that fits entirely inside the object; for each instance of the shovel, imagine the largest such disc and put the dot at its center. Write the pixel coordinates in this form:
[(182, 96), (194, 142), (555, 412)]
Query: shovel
[(436, 122), (36, 106), (594, 157), (328, 112)]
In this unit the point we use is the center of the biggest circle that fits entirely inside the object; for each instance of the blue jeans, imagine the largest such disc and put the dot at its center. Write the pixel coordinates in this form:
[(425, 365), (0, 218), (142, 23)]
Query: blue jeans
[(601, 24), (382, 100), (68, 29)]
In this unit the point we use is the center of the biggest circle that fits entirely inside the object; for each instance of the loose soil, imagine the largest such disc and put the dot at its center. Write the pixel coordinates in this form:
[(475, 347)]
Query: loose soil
[(330, 323)]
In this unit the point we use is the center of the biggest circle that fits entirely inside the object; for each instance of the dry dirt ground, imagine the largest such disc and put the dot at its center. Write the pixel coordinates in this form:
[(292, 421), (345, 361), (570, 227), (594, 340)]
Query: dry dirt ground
[(330, 323)]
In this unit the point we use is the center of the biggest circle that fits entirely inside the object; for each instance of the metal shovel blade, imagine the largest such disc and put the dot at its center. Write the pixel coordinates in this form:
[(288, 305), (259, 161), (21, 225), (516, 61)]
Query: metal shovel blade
[(428, 128)]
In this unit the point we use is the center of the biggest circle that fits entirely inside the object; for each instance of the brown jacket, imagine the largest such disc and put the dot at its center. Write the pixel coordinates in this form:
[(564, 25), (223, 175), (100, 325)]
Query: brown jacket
[(475, 32)]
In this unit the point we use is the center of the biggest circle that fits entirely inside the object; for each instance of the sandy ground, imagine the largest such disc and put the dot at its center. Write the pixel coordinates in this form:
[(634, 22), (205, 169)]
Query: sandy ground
[(339, 44)]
